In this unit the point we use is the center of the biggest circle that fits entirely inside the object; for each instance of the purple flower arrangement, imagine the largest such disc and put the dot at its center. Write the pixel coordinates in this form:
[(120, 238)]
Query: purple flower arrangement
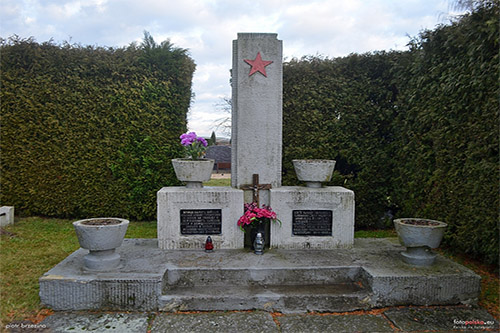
[(195, 145)]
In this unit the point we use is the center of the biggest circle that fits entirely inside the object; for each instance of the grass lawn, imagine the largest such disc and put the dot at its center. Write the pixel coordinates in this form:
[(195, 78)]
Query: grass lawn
[(218, 182), (30, 248), (34, 245)]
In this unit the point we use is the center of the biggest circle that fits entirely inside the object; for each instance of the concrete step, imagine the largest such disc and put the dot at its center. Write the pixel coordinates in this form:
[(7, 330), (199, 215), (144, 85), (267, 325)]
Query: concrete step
[(264, 286), (257, 275), (283, 298)]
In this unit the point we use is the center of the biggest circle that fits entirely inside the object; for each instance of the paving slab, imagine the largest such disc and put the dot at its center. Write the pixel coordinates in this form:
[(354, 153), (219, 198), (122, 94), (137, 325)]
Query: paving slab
[(96, 322), (334, 323), (442, 319), (215, 322)]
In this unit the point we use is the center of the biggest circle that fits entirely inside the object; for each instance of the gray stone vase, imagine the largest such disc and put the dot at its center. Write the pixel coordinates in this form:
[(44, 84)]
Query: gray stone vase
[(193, 172), (314, 172), (101, 236), (419, 236)]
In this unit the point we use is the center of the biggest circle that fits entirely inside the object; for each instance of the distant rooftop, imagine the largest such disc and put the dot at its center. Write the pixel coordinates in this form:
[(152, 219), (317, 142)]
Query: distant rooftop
[(220, 153)]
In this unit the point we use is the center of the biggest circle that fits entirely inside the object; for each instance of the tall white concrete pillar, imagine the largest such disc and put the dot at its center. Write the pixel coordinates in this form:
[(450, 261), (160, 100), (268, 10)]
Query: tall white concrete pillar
[(257, 116)]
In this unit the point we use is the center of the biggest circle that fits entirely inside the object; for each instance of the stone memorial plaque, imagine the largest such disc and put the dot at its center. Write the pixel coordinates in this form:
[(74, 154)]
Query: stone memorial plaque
[(201, 221), (312, 223)]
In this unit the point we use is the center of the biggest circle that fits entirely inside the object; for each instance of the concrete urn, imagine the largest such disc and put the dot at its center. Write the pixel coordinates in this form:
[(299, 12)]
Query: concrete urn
[(193, 172), (419, 236), (101, 236), (314, 172)]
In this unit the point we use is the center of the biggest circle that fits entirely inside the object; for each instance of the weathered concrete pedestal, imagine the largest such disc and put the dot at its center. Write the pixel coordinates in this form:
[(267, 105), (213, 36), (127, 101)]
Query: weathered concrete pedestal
[(187, 216), (313, 218), (371, 274), (6, 215)]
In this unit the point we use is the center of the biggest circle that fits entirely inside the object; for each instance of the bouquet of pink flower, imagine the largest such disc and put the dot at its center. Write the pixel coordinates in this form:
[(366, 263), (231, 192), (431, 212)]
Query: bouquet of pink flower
[(195, 145), (254, 215)]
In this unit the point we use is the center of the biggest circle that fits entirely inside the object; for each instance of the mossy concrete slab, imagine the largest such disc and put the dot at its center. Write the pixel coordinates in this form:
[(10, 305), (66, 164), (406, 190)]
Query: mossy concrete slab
[(96, 322), (334, 323), (408, 319), (442, 319), (240, 322)]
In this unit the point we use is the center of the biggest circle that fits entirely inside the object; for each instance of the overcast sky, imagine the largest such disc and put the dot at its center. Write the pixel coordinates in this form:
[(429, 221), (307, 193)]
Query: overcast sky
[(330, 28)]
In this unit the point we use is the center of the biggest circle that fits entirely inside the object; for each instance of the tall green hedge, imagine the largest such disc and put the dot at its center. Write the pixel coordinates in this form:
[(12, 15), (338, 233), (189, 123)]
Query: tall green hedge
[(415, 134), (447, 131), (90, 131), (342, 109)]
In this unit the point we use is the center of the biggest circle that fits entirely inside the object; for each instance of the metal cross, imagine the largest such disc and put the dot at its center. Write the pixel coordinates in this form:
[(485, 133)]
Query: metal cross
[(255, 188)]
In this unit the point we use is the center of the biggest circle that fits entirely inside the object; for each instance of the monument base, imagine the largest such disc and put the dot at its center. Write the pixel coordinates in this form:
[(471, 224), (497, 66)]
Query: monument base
[(312, 218), (369, 275), (187, 216)]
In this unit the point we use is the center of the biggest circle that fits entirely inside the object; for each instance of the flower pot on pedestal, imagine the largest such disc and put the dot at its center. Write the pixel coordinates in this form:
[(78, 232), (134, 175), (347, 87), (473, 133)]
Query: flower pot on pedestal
[(419, 236), (314, 172), (193, 172), (101, 236)]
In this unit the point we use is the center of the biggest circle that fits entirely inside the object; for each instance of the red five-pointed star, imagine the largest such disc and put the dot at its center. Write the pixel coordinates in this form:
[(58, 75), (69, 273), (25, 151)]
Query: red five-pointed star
[(258, 65)]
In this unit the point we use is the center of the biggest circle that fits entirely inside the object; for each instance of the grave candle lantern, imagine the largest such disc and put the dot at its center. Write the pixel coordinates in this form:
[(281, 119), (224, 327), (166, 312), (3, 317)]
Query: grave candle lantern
[(258, 244), (209, 245)]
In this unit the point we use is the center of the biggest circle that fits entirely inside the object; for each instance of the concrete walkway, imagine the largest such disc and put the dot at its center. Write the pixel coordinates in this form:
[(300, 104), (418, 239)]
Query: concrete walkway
[(400, 319)]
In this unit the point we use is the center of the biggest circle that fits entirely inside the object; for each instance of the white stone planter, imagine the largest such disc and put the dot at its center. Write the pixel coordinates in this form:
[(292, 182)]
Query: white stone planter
[(193, 172), (314, 172), (101, 236), (419, 236)]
